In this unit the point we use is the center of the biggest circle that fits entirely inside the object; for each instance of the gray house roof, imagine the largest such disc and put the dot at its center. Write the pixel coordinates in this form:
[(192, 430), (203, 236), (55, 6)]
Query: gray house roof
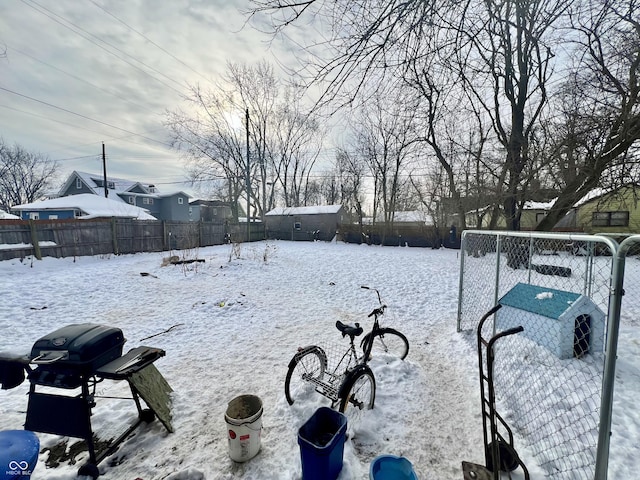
[(116, 185)]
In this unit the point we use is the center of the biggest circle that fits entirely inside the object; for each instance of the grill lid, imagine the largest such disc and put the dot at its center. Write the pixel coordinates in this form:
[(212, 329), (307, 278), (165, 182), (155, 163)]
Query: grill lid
[(82, 345)]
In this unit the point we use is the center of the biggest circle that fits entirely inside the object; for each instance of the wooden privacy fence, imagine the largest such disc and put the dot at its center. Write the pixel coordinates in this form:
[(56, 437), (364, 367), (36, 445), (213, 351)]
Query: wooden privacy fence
[(67, 238), (399, 235)]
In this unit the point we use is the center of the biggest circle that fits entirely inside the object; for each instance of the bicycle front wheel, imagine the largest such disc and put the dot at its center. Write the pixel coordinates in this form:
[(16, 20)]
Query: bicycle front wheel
[(387, 341), (307, 366), (358, 391)]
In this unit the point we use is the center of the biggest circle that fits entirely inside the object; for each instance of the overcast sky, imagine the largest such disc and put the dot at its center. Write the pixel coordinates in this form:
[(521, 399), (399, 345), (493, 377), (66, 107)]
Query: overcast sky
[(81, 72)]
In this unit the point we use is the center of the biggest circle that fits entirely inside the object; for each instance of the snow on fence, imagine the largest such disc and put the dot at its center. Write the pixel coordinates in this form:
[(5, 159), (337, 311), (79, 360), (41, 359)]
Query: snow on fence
[(553, 381)]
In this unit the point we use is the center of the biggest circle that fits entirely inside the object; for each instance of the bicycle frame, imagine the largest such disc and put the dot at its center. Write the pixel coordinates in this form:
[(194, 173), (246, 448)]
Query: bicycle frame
[(342, 382)]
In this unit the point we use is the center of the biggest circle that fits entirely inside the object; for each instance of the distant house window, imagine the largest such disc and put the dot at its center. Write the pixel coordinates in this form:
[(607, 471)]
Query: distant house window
[(540, 216), (297, 226), (111, 185), (215, 212), (34, 215), (78, 184), (132, 200), (53, 217), (147, 201), (180, 200), (610, 219)]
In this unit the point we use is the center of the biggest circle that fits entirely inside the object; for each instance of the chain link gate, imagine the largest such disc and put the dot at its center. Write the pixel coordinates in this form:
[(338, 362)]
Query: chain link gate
[(550, 376)]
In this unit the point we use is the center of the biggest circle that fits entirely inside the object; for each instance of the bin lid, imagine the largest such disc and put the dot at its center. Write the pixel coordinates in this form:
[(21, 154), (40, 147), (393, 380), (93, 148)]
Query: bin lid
[(391, 467)]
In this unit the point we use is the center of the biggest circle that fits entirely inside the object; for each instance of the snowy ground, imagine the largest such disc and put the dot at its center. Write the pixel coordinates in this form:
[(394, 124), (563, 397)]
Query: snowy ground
[(237, 320)]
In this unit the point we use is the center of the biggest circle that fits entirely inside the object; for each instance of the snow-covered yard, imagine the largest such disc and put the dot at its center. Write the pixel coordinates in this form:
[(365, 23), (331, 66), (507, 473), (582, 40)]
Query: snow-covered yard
[(235, 321)]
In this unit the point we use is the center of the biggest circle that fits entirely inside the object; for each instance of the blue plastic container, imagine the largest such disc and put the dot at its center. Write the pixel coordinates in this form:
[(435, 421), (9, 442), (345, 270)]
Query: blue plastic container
[(321, 441), (391, 467), (18, 454)]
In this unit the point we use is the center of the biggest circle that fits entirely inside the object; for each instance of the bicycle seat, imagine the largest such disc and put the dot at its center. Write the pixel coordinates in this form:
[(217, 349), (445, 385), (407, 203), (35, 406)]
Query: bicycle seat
[(349, 329)]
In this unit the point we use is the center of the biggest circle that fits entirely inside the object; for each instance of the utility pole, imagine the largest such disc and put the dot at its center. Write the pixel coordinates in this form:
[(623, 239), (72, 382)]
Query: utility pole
[(248, 178), (104, 172)]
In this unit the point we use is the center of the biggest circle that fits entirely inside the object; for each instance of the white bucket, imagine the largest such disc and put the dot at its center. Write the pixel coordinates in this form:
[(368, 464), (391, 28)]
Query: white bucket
[(244, 427)]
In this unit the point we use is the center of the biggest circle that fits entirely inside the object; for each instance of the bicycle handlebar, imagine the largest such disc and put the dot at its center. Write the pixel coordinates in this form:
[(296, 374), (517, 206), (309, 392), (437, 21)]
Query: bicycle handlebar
[(377, 311), (375, 290)]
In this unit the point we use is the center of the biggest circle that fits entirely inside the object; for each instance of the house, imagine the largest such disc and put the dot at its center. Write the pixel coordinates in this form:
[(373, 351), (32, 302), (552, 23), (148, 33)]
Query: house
[(567, 324), (410, 218), (83, 206), (304, 223), (605, 211), (215, 211), (163, 206), (532, 213)]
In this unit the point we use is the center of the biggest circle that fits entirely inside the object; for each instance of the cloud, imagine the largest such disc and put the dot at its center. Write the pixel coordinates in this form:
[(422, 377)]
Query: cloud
[(75, 76)]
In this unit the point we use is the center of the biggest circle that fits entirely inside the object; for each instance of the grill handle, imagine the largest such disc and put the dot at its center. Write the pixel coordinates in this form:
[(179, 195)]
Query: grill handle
[(43, 360)]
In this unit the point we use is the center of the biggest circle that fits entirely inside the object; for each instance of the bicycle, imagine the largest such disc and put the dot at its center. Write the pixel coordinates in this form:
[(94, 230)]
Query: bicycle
[(351, 381)]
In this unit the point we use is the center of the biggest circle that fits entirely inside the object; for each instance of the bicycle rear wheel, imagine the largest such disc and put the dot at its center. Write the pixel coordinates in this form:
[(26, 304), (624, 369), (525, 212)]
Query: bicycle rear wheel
[(387, 341), (307, 365)]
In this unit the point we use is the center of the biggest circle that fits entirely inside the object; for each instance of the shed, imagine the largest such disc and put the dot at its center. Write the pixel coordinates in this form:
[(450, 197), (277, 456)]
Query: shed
[(568, 324), (304, 223)]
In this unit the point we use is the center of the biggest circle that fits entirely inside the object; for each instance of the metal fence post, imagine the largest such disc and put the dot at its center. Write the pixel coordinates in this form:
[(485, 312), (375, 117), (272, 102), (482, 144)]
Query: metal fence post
[(463, 245), (608, 380), (496, 291)]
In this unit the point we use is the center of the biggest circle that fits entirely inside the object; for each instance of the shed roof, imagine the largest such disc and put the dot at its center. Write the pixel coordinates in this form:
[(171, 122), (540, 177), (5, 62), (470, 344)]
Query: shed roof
[(547, 302), (316, 210)]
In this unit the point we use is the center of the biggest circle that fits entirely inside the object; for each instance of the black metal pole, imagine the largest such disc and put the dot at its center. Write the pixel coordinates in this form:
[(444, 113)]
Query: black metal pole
[(248, 178), (104, 172)]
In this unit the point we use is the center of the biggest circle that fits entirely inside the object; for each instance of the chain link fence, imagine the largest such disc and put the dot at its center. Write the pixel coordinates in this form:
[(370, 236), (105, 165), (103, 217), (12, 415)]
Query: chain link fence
[(548, 379)]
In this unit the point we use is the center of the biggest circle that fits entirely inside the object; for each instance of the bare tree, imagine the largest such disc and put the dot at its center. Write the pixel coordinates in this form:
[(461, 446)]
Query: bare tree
[(283, 139), (295, 149), (212, 141), (607, 86), (514, 54), (504, 54), (258, 91), (386, 138), (24, 176), (344, 184)]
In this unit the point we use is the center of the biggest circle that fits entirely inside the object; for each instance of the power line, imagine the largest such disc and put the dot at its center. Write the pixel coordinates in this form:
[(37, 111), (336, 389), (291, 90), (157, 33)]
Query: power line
[(106, 43), (79, 79), (149, 40), (84, 116)]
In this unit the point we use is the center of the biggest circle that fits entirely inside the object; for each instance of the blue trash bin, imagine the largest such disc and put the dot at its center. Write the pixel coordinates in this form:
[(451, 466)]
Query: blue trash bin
[(391, 467), (18, 454), (321, 441)]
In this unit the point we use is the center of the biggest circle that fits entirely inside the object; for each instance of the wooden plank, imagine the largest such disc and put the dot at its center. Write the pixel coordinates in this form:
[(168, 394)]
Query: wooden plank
[(154, 390)]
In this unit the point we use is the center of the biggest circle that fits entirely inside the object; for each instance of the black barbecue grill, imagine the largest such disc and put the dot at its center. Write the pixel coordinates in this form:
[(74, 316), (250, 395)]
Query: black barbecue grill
[(64, 358), (80, 356)]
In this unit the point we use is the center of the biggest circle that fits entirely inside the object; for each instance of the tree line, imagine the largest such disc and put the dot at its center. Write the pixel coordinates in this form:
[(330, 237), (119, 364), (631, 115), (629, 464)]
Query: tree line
[(455, 105), (444, 106), (24, 176)]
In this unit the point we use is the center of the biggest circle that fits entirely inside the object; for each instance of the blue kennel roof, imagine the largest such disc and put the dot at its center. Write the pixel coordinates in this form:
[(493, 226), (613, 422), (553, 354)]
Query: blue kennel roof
[(544, 301)]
